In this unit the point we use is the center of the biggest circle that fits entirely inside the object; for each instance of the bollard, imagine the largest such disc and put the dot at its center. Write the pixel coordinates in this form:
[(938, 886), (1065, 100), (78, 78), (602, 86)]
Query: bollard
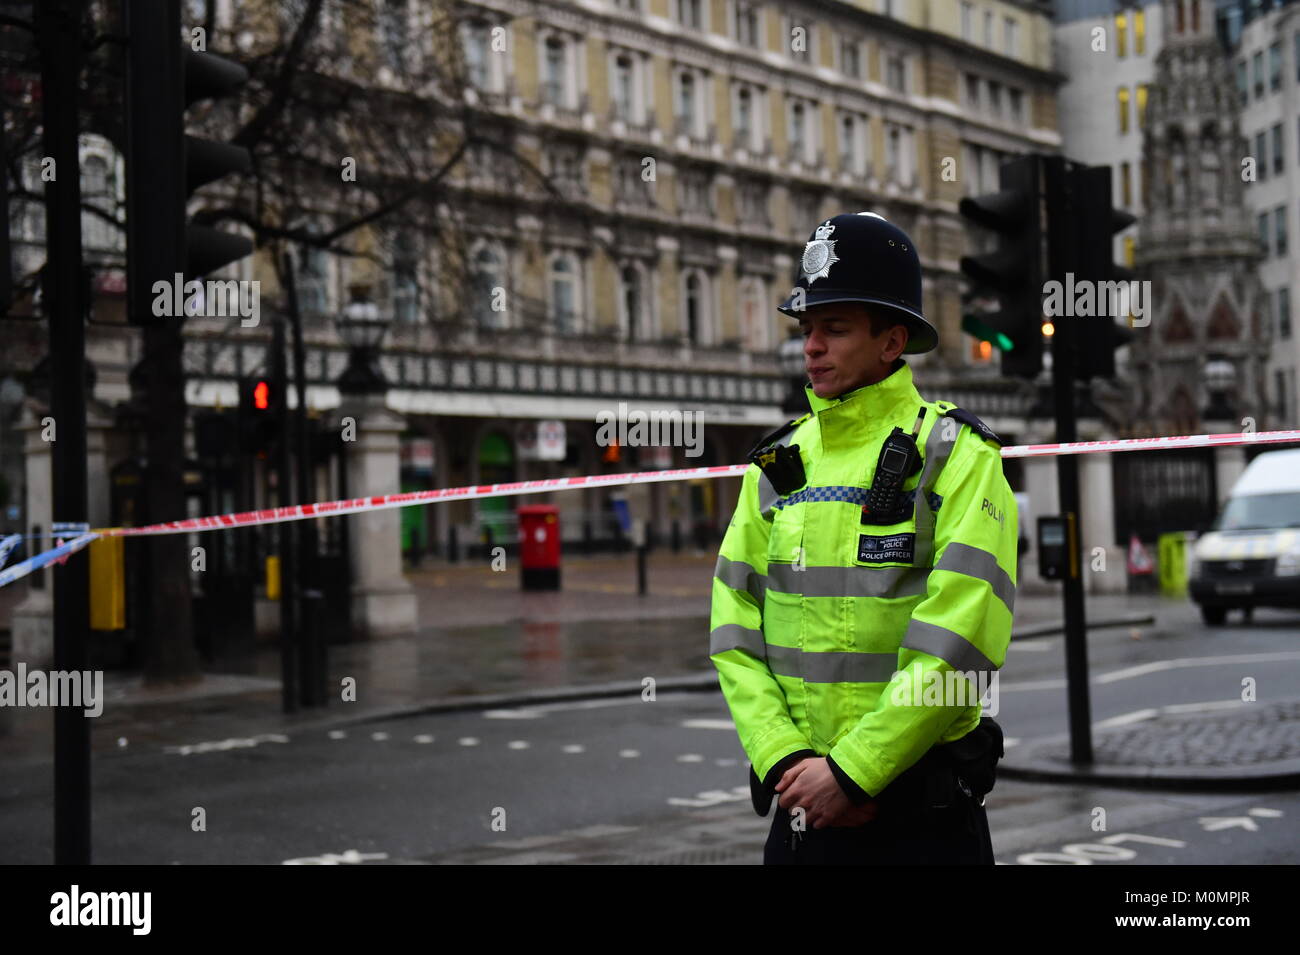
[(639, 541)]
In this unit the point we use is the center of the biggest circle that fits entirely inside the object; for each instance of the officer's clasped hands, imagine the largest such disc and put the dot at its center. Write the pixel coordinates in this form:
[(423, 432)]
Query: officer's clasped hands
[(811, 785)]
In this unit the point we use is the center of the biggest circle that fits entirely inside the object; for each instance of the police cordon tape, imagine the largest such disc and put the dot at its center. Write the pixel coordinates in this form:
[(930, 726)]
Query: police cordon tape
[(299, 512)]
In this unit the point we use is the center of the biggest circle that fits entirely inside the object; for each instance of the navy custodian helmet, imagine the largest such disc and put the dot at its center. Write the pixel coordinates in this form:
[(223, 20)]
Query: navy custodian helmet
[(864, 258)]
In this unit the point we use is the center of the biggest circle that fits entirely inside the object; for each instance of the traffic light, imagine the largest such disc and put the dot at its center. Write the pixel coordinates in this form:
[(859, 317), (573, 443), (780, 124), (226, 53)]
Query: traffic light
[(1098, 222), (1013, 273), (164, 165), (259, 416)]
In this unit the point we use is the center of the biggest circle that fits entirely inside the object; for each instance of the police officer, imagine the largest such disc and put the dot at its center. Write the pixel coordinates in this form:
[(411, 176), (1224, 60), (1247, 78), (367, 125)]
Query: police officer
[(863, 595)]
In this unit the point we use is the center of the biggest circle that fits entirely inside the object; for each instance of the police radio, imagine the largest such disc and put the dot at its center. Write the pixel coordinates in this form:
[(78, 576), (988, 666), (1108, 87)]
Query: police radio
[(899, 460)]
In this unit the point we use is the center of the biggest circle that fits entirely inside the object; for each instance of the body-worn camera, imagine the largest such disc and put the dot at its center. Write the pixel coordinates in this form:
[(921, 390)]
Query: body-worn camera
[(782, 466)]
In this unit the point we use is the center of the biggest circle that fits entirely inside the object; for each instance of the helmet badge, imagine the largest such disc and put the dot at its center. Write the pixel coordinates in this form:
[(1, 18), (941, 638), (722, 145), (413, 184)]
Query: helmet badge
[(819, 254)]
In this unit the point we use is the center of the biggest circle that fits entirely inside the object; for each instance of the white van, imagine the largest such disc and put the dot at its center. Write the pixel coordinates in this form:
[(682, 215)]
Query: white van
[(1251, 556)]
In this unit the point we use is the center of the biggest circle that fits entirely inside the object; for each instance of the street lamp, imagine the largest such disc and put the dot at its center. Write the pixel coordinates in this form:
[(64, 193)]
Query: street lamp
[(362, 328), (1220, 377), (790, 356)]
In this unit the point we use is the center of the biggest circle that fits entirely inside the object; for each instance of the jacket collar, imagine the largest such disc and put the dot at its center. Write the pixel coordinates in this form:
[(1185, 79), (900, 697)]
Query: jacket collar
[(870, 404)]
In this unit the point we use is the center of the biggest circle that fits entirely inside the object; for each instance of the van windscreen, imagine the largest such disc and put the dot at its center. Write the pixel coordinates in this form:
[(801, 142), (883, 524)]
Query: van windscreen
[(1260, 512)]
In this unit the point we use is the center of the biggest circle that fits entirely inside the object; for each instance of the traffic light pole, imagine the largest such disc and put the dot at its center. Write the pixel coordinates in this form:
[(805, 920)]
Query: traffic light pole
[(313, 647), (59, 33), (1063, 238), (290, 645)]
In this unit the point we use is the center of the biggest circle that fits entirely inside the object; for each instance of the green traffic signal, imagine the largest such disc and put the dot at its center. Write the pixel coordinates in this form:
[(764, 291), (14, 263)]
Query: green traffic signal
[(974, 325)]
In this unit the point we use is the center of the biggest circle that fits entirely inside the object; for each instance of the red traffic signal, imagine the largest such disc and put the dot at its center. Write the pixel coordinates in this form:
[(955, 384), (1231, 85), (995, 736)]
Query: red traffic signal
[(261, 396)]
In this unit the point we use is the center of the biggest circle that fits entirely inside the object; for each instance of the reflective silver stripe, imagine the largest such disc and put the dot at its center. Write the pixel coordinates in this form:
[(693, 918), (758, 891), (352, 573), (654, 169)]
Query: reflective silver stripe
[(767, 495), (847, 581), (832, 666), (952, 648), (739, 575), (936, 456), (974, 562), (732, 636)]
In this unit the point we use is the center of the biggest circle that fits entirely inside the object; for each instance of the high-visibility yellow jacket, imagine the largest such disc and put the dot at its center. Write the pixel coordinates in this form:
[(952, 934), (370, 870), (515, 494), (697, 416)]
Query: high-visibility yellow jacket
[(823, 628)]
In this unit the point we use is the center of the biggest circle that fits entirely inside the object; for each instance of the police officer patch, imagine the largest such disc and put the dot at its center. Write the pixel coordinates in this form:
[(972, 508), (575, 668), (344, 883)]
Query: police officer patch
[(819, 254), (900, 548)]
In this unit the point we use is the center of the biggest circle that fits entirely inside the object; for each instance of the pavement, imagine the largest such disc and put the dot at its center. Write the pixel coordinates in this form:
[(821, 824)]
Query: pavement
[(483, 643)]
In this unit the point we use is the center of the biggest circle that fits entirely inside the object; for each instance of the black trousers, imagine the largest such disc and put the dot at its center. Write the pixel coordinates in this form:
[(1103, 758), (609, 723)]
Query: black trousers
[(955, 835)]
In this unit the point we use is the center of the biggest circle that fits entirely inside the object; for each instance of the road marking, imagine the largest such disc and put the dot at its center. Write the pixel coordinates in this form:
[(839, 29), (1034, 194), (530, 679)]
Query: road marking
[(1011, 741), (338, 734), (350, 857), (1182, 662), (1146, 669), (712, 797), (1033, 646), (708, 724), (1266, 813), (518, 744), (226, 744), (379, 737), (690, 758), (574, 748), (522, 714), (1136, 716), (1175, 708), (424, 738), (468, 741), (629, 753), (1217, 823), (726, 762)]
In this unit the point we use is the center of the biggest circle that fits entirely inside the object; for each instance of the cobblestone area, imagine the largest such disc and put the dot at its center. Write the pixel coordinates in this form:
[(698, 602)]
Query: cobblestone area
[(1256, 733)]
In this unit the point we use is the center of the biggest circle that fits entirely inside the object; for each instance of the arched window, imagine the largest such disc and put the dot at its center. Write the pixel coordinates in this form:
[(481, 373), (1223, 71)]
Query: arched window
[(554, 85), (632, 304), (744, 118), (563, 286), (488, 276), (755, 319), (623, 87), (476, 54), (686, 102), (404, 279), (695, 309)]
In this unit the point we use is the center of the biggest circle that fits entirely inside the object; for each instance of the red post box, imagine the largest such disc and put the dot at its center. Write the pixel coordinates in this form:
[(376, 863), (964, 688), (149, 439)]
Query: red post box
[(539, 547)]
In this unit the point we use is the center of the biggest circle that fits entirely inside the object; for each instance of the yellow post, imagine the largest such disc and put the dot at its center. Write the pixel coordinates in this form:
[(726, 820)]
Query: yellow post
[(1173, 563), (107, 583), (273, 577)]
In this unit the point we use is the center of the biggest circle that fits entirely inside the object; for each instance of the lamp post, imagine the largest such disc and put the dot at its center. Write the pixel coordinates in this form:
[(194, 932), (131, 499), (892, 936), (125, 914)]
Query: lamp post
[(1220, 377), (362, 327), (790, 356)]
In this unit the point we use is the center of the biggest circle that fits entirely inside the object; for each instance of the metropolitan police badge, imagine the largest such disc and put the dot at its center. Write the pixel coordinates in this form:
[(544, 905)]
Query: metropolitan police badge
[(819, 254)]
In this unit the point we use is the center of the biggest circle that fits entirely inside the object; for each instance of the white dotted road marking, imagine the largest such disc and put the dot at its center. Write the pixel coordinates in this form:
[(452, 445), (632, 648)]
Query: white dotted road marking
[(709, 724), (523, 714), (468, 741), (690, 758), (518, 744), (379, 737), (629, 753), (424, 738), (726, 762), (338, 734), (575, 748)]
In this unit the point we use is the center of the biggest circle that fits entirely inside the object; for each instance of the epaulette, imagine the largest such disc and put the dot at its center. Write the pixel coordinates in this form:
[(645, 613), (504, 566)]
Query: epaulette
[(778, 434), (975, 424)]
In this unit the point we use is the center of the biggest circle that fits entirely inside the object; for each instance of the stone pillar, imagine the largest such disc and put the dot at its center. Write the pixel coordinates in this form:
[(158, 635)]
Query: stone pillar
[(33, 619), (1229, 462), (98, 424), (382, 600), (1097, 504)]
